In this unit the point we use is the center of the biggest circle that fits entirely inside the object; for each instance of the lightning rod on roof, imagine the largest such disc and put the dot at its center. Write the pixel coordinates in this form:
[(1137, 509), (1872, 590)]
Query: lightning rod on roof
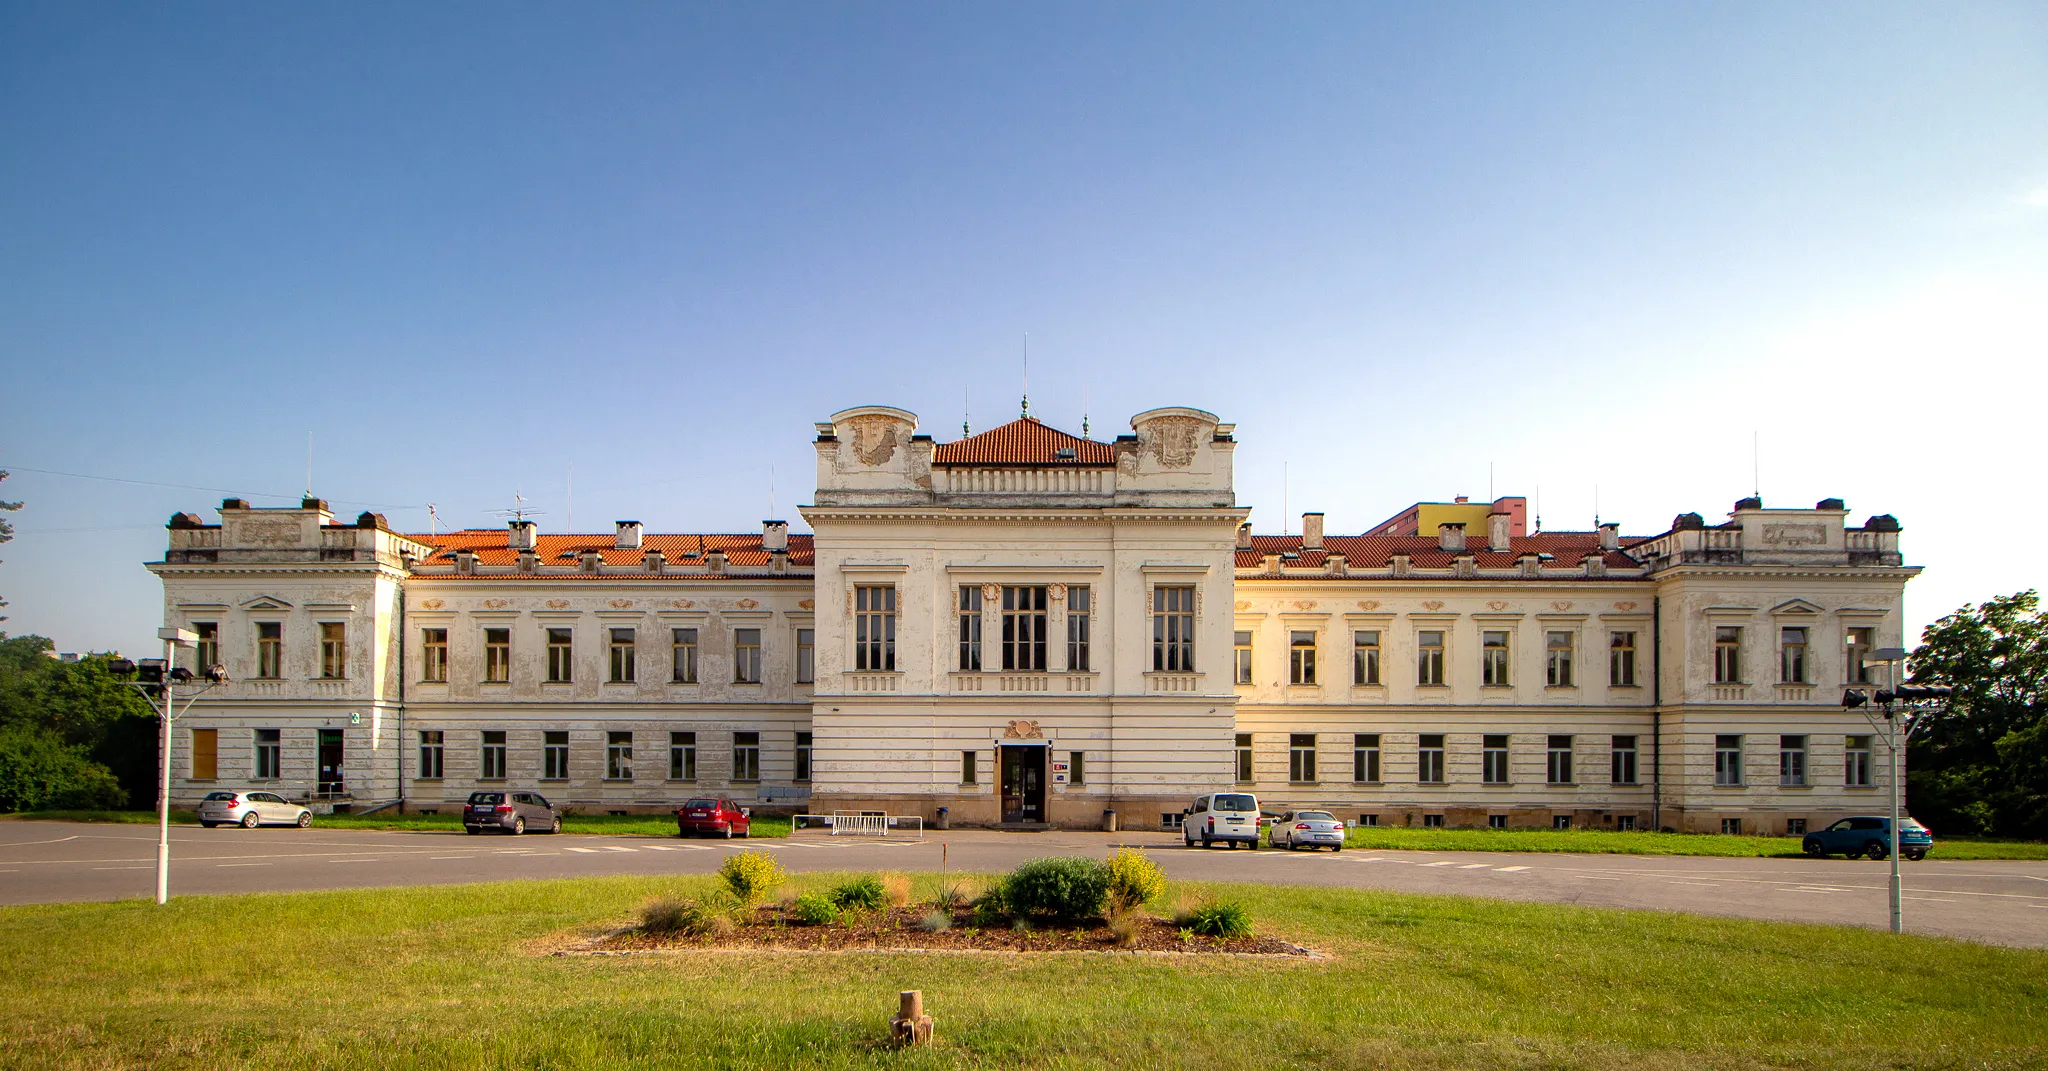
[(963, 411), (1084, 412), (1027, 374)]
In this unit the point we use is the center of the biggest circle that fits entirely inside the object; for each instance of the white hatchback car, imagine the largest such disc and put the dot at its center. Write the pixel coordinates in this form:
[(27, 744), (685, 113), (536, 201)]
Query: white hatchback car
[(1313, 829), (251, 809), (1231, 817)]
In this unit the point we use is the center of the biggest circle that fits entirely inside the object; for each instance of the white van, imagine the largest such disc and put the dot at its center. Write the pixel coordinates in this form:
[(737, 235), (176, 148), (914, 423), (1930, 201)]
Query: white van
[(1231, 817)]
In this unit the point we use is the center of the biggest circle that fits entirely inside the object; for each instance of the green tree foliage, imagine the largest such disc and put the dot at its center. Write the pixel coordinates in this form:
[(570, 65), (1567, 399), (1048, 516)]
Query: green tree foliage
[(1981, 765), (72, 731)]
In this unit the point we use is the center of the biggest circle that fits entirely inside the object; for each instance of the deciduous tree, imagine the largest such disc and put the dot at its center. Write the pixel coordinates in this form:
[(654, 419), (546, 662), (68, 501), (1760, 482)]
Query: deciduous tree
[(1981, 765)]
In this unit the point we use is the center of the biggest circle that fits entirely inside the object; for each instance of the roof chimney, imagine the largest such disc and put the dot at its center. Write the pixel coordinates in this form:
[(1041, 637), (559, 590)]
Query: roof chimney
[(525, 535), (1311, 531), (628, 537), (1497, 527), (775, 536), (1244, 536), (1451, 535), (1610, 536), (592, 560)]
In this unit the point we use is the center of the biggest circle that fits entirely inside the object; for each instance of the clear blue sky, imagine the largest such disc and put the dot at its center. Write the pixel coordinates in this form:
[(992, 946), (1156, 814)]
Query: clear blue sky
[(468, 247)]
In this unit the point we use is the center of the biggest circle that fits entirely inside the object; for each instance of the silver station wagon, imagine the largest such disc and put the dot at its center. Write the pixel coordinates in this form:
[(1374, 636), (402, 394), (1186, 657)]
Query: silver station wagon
[(251, 809)]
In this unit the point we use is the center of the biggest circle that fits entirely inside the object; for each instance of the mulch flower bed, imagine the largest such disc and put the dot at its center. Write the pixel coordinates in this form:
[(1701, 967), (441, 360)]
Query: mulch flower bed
[(896, 928)]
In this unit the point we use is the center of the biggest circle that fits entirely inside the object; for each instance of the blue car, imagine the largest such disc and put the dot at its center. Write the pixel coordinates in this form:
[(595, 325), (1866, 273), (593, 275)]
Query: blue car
[(1869, 836)]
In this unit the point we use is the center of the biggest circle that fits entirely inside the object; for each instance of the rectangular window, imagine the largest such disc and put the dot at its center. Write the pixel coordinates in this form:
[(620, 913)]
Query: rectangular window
[(1860, 643), (1368, 819), (491, 760), (432, 756), (1173, 629), (683, 649), (1558, 648), (554, 755), (1856, 762), (1792, 655), (1560, 767), (803, 757), (1624, 823), (1365, 656), (1077, 767), (1429, 759), (1795, 827), (1493, 760), (1301, 657), (207, 650), (1432, 821), (333, 650), (746, 656), (969, 768), (1079, 627), (561, 664), (621, 654), (1621, 762), (618, 756), (1728, 760), (497, 655), (1429, 658), (269, 650), (1493, 659), (874, 628), (1241, 651), (1560, 821), (1301, 758), (1244, 758), (1731, 826), (1365, 758), (1024, 617), (746, 756), (682, 756), (205, 754), (1621, 659), (1496, 821), (806, 656), (1792, 760), (270, 754), (970, 628), (1727, 654), (434, 655)]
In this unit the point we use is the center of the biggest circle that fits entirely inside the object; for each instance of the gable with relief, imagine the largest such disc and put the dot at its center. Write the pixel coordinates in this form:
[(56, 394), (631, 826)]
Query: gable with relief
[(1796, 606), (874, 440), (266, 602), (1172, 440)]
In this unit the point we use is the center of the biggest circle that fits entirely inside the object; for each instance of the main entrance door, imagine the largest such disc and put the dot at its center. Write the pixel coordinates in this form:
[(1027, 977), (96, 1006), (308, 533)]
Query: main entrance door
[(330, 783), (1023, 784)]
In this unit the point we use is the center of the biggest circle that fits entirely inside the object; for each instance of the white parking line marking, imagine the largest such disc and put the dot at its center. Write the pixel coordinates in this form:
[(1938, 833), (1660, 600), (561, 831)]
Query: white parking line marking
[(1444, 863), (438, 858), (1593, 877), (1702, 884), (1511, 869), (616, 848), (586, 851), (1475, 866), (663, 848), (355, 860), (1932, 899), (241, 864), (122, 868)]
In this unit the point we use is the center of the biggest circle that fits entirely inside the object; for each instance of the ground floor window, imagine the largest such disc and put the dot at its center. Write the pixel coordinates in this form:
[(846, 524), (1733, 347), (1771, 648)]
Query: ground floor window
[(970, 769), (1301, 758), (618, 756), (554, 755), (1432, 821), (1625, 823), (1368, 819), (803, 757), (1560, 821), (1496, 821), (270, 755), (491, 764), (205, 754), (1077, 767), (1795, 827), (1365, 757), (1170, 820), (1731, 826), (746, 756), (431, 755), (682, 756), (1244, 758)]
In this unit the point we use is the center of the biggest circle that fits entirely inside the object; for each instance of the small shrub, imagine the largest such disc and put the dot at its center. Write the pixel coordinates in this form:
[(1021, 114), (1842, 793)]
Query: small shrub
[(1063, 888), (1125, 926), (663, 916), (751, 876), (1020, 924), (937, 920), (1134, 880), (956, 894), (863, 893), (896, 889), (814, 909), (694, 918), (1218, 918)]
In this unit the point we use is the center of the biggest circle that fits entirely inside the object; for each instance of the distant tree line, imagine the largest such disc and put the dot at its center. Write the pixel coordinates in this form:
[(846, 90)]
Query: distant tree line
[(71, 735), (1981, 765)]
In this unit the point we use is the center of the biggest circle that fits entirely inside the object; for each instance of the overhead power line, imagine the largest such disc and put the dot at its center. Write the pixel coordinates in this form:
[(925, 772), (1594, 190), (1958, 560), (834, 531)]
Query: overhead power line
[(196, 487)]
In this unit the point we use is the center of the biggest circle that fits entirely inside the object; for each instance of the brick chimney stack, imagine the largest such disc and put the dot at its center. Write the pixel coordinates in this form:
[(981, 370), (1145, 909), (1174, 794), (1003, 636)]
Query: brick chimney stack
[(1450, 536), (1497, 528), (628, 535), (1311, 531)]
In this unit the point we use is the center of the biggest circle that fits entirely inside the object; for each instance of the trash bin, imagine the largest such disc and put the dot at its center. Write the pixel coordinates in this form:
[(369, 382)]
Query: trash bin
[(940, 823), (1108, 820)]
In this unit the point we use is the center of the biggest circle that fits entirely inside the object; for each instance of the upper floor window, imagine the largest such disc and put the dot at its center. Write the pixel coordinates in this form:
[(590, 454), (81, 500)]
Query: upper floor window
[(1621, 659), (1301, 657), (1079, 624), (683, 649), (208, 647), (1558, 648), (1560, 766), (1493, 659), (1727, 654), (434, 655), (1241, 651), (1301, 757), (333, 650), (1429, 657), (269, 650), (1861, 641), (1173, 629), (970, 628), (621, 652), (746, 656), (1728, 760), (1365, 656), (1622, 761), (874, 628), (561, 664), (497, 655), (806, 656), (1024, 617), (1493, 756), (1792, 655)]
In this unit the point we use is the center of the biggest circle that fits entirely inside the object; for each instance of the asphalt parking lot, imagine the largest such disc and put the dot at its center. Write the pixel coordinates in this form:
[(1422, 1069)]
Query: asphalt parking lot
[(2002, 902)]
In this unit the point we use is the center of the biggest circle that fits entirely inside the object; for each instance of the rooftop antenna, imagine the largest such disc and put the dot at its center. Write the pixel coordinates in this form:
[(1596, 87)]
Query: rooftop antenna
[(309, 466), (771, 491), (518, 512), (963, 411), (1084, 412), (1596, 506), (1756, 464), (572, 496), (1027, 373), (1286, 511), (433, 522), (1539, 507)]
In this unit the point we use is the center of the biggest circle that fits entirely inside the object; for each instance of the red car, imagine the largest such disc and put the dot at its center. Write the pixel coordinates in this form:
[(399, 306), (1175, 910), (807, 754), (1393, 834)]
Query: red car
[(705, 816)]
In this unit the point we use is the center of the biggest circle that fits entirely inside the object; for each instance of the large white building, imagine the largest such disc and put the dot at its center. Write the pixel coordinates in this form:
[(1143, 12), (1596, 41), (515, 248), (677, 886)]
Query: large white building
[(1023, 626)]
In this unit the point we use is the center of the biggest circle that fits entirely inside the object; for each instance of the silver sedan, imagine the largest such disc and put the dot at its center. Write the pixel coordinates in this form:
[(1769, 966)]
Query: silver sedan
[(251, 809), (1307, 829)]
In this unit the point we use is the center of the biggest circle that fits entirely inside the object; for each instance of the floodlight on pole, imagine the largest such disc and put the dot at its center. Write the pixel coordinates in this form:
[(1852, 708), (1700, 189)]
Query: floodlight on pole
[(161, 677)]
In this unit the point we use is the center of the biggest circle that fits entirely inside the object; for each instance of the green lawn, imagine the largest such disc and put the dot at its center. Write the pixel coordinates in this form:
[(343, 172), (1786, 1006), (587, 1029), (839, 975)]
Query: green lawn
[(611, 825), (1594, 841), (448, 978)]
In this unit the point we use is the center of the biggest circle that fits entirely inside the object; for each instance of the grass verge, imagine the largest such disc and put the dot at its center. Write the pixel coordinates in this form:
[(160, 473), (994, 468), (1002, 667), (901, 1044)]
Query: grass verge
[(1602, 843), (449, 977), (609, 825)]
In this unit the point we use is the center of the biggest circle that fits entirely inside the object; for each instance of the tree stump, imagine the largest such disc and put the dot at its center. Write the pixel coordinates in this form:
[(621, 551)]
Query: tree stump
[(911, 1025)]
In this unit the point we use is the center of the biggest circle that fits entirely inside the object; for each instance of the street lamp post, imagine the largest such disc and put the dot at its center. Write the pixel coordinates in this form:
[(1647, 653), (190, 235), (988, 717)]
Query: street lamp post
[(1897, 729), (160, 677)]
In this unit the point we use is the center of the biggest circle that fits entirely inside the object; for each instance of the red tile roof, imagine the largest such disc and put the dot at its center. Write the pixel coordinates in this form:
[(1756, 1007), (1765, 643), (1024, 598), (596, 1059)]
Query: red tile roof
[(493, 547), (1377, 552), (1023, 441)]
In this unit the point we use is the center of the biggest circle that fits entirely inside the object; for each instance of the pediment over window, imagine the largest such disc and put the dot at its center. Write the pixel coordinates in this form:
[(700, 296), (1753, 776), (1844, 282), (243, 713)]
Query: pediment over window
[(266, 602), (1796, 606)]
